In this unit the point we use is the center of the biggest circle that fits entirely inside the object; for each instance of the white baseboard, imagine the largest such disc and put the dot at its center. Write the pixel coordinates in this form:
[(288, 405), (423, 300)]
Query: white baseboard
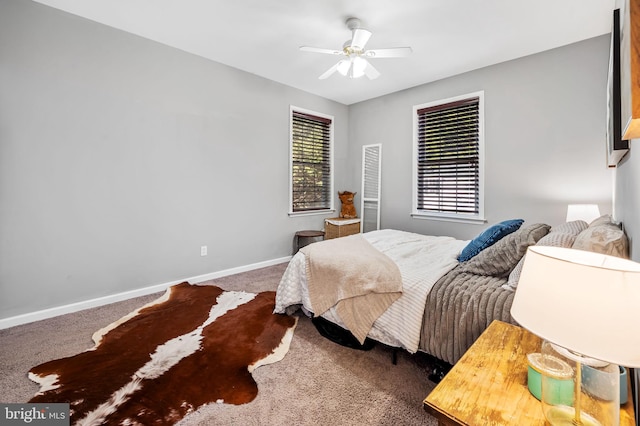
[(105, 300)]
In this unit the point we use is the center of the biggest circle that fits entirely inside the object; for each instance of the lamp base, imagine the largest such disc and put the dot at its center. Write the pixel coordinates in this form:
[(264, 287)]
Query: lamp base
[(595, 390), (561, 415)]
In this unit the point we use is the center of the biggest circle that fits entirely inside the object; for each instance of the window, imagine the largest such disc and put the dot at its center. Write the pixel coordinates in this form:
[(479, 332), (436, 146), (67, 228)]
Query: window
[(448, 156), (311, 162)]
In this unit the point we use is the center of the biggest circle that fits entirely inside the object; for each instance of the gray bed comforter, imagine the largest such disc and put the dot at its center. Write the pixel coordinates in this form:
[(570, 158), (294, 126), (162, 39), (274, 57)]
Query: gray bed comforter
[(463, 303)]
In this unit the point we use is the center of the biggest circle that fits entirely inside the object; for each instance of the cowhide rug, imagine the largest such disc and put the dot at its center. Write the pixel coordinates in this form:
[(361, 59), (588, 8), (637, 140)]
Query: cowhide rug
[(193, 346)]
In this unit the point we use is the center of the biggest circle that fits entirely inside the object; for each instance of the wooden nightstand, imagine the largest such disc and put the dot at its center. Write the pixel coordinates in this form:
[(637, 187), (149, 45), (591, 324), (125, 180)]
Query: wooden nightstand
[(489, 383)]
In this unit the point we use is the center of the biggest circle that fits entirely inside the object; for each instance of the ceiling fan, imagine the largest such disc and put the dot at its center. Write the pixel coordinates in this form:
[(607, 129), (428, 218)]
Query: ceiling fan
[(355, 64)]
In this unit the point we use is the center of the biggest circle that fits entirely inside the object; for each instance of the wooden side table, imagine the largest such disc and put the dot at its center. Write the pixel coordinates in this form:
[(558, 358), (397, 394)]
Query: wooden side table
[(488, 385), (304, 238)]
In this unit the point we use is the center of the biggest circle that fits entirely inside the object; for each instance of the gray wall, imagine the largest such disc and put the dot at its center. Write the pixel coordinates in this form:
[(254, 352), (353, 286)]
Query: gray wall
[(120, 157), (626, 208), (627, 197), (545, 119)]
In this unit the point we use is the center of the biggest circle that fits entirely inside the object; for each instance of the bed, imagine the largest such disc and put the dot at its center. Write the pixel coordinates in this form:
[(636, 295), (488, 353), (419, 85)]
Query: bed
[(430, 293)]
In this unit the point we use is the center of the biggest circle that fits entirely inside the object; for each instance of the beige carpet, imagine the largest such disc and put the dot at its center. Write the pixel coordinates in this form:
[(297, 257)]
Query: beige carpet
[(318, 381)]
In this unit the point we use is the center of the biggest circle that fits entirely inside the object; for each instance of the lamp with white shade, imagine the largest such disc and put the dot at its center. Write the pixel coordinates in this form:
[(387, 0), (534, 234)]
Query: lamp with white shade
[(585, 304), (586, 212)]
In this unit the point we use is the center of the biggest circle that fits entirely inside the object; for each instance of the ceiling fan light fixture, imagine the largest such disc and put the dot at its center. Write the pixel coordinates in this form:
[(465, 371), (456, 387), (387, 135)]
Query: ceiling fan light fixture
[(357, 70), (343, 66)]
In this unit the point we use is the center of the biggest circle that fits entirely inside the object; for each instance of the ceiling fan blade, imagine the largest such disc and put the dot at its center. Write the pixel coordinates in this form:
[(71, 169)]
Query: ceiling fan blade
[(360, 38), (330, 71), (321, 50), (371, 72), (394, 52)]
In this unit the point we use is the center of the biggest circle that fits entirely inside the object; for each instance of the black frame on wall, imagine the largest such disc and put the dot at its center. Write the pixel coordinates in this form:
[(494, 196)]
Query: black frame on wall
[(616, 146)]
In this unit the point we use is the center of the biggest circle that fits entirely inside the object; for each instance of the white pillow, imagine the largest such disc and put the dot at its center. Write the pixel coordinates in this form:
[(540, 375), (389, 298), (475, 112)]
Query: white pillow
[(606, 239)]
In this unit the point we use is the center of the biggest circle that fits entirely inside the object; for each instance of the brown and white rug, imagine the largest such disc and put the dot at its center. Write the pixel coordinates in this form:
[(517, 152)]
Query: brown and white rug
[(193, 346)]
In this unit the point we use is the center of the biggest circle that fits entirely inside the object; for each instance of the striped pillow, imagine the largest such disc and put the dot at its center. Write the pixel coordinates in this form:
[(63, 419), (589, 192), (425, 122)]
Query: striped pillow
[(553, 239), (574, 228)]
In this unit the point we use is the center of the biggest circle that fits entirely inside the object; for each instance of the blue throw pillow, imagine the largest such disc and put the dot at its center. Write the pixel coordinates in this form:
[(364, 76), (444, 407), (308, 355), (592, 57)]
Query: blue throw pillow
[(488, 237)]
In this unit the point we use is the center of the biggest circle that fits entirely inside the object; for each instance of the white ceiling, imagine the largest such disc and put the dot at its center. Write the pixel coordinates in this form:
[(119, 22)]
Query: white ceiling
[(263, 37)]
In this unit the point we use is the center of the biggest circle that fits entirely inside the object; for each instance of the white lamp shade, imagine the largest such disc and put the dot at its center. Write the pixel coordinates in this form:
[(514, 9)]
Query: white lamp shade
[(357, 69), (343, 66), (586, 212), (583, 301)]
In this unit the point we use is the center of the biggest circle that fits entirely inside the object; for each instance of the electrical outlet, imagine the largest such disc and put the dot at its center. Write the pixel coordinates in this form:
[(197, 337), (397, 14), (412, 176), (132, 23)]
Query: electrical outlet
[(203, 250)]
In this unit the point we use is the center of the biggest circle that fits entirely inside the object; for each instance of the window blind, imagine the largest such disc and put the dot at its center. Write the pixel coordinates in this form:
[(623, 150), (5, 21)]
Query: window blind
[(311, 162), (449, 157)]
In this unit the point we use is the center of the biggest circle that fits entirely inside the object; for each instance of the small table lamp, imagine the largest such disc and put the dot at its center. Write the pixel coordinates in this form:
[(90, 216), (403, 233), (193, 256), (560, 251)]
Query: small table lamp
[(586, 212), (586, 305)]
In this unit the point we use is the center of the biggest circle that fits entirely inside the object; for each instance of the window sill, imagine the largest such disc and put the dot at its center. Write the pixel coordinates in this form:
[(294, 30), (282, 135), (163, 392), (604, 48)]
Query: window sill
[(311, 213), (449, 218)]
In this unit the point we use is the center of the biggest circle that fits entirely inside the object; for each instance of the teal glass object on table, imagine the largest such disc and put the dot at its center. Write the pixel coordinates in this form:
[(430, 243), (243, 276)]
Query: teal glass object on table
[(557, 375)]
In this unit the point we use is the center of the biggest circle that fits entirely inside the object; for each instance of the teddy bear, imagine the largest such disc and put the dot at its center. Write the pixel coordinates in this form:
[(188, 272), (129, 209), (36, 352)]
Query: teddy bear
[(348, 210)]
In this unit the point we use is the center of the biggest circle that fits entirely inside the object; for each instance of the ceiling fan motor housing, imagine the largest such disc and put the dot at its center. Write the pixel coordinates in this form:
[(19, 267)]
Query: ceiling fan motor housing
[(353, 23), (349, 50)]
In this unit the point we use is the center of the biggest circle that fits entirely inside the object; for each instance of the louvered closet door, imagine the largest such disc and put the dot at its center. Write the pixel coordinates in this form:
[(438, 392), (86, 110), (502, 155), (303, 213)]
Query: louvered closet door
[(370, 198)]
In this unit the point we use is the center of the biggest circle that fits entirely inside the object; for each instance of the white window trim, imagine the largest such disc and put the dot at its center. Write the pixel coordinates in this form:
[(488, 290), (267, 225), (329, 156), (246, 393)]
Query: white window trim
[(291, 213), (450, 217)]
